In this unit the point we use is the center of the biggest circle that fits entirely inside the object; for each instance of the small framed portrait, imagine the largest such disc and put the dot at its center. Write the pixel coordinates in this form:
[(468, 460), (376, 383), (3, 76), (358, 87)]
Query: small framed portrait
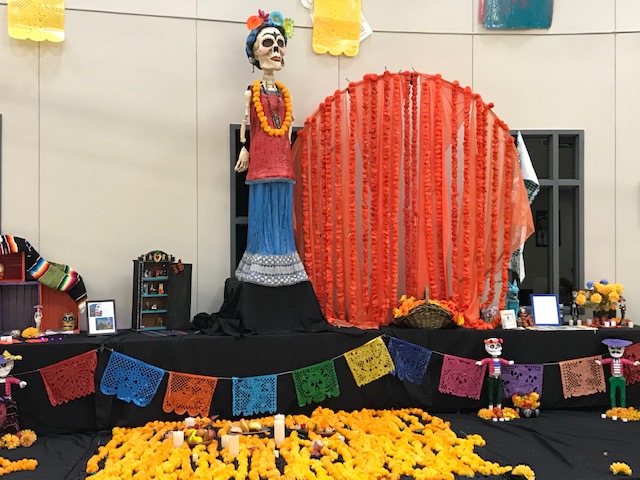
[(545, 309), (508, 319), (101, 317)]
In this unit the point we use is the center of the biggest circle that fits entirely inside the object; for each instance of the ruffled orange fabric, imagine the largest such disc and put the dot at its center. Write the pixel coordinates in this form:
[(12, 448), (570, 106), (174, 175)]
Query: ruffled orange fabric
[(190, 394), (412, 206)]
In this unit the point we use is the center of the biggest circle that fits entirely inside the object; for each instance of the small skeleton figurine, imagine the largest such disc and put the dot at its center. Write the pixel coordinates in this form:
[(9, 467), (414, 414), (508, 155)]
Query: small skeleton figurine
[(493, 346), (617, 381), (10, 422), (574, 306), (622, 306), (37, 317)]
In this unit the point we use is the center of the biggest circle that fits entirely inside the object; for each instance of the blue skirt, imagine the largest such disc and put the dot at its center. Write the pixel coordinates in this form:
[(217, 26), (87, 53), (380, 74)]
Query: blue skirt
[(271, 258)]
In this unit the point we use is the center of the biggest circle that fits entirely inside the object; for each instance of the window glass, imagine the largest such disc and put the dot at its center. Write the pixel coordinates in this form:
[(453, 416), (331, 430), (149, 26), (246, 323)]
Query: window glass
[(537, 249), (567, 153), (539, 151)]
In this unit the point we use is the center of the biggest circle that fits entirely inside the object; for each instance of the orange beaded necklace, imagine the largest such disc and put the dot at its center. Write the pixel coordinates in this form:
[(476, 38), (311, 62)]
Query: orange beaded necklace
[(263, 118)]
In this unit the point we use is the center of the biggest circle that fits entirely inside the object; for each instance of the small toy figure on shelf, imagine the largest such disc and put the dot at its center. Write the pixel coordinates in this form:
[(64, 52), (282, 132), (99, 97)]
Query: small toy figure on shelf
[(574, 307), (622, 307), (161, 288), (10, 422), (617, 381), (37, 317), (493, 346), (513, 302)]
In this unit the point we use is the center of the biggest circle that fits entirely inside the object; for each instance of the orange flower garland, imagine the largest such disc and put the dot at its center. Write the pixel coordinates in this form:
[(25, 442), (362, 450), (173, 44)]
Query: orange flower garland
[(507, 183), (374, 182), (327, 207), (466, 203), (385, 192), (353, 249), (454, 190), (413, 192), (366, 174), (406, 211), (288, 116), (304, 172), (494, 213), (337, 204), (395, 192), (441, 290), (426, 169), (7, 466), (318, 279), (481, 173)]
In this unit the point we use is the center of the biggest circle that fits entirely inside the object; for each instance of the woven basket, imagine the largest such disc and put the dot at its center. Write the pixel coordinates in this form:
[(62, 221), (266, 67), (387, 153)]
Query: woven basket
[(428, 316)]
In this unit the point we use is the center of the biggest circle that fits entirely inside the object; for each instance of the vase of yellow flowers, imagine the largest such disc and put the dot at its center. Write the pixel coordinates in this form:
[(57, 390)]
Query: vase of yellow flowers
[(602, 297)]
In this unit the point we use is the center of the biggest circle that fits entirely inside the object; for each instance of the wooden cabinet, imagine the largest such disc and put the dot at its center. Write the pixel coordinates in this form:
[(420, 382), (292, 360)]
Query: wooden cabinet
[(19, 295), (161, 292)]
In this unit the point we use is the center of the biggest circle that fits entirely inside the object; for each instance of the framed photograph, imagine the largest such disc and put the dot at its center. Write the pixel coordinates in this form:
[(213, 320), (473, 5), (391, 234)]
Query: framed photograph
[(101, 317), (508, 318), (545, 310)]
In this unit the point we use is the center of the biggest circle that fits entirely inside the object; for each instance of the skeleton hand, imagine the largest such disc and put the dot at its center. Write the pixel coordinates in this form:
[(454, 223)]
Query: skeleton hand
[(511, 362), (636, 363), (478, 363), (22, 384), (598, 362), (243, 160)]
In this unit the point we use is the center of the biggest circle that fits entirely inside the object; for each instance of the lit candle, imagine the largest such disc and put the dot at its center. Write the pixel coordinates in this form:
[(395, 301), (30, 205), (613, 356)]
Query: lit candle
[(234, 445), (278, 429), (178, 438), (189, 422)]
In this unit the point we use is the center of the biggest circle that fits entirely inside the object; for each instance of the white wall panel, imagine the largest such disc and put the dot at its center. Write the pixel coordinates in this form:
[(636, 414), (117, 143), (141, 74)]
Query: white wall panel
[(565, 82), (625, 163), (448, 55), (627, 15), (164, 8), (118, 151), (19, 109)]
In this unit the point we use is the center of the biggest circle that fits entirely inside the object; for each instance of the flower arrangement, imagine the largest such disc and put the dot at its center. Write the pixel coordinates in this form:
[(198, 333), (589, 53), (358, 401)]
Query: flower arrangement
[(530, 400), (273, 18), (497, 413), (628, 413), (601, 296)]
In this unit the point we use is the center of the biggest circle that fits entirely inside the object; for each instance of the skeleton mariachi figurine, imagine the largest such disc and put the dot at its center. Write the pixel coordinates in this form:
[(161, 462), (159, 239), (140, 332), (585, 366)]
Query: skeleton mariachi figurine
[(8, 407), (493, 346), (270, 258), (617, 381)]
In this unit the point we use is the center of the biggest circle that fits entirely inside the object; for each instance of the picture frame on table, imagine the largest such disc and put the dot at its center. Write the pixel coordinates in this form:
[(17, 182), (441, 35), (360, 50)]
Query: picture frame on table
[(101, 317), (508, 319), (545, 309)]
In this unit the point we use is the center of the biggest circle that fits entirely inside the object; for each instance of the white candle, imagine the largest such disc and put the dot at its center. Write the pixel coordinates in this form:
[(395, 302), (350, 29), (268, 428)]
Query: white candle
[(578, 322), (607, 323), (189, 422), (234, 445), (603, 415), (194, 457), (178, 438), (224, 442), (278, 429), (630, 324)]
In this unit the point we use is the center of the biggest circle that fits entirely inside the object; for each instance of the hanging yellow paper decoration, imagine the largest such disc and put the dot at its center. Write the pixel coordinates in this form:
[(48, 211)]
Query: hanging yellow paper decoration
[(36, 20), (336, 26)]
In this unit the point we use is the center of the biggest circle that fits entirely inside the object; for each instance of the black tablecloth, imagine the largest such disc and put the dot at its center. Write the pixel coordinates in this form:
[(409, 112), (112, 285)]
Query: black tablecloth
[(227, 357)]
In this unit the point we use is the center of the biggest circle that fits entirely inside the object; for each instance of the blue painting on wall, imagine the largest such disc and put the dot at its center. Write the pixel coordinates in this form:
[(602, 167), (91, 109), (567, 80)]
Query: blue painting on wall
[(512, 14)]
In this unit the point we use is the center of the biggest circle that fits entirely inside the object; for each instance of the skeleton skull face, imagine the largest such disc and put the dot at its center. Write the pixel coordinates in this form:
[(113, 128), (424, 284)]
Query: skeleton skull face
[(616, 352), (269, 49), (493, 348)]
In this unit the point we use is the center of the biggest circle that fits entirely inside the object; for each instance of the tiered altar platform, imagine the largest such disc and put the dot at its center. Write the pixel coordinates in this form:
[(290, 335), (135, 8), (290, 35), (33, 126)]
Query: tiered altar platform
[(569, 440)]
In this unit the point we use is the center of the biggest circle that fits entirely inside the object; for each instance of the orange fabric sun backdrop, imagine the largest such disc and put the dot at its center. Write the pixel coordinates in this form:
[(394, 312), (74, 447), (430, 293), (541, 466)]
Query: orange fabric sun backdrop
[(407, 181)]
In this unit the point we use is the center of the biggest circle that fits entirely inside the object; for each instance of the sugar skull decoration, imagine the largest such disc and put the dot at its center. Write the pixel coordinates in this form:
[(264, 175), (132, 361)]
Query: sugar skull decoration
[(68, 322), (617, 381), (493, 346), (8, 407)]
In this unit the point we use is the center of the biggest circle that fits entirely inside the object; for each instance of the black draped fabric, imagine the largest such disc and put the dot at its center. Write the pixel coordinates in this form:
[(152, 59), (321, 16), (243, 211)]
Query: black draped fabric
[(250, 309)]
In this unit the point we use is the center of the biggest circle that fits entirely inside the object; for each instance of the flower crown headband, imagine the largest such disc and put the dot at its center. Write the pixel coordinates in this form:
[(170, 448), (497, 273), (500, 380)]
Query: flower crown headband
[(273, 18)]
